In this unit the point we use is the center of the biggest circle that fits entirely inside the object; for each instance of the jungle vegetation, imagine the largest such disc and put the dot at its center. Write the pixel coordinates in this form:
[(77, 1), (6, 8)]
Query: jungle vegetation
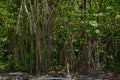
[(38, 36)]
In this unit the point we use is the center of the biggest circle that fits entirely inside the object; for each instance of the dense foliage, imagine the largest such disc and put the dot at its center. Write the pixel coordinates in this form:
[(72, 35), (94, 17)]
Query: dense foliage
[(38, 36)]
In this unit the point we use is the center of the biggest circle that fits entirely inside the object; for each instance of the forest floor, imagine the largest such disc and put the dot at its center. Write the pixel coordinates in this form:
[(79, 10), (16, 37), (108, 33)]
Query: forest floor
[(53, 75), (76, 76)]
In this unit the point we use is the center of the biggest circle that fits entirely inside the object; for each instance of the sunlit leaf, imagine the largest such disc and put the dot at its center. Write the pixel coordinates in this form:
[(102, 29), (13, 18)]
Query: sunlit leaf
[(97, 31), (93, 23), (118, 16), (109, 7)]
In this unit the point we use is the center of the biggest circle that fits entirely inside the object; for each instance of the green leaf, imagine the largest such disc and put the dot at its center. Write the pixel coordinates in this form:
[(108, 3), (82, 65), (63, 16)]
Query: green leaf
[(118, 16), (109, 8), (93, 23), (97, 31), (99, 14)]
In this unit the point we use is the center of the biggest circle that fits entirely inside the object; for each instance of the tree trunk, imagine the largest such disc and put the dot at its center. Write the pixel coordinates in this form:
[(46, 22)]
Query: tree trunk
[(49, 25)]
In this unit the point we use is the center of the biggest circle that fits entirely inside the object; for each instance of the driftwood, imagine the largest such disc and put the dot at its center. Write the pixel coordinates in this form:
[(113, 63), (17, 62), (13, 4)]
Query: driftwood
[(14, 76)]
